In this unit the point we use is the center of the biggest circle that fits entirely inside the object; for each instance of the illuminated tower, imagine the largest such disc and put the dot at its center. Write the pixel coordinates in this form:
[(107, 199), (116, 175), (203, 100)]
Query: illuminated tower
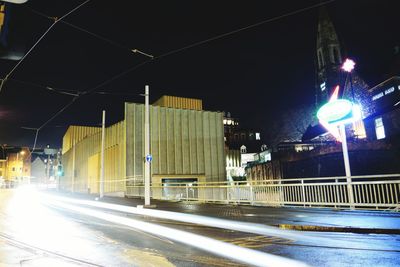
[(328, 59)]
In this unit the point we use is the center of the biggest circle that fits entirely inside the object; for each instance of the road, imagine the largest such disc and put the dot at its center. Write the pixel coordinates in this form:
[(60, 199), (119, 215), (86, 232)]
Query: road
[(36, 231)]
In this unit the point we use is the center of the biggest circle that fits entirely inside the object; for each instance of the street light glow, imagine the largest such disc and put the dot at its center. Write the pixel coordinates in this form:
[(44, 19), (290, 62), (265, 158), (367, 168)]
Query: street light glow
[(348, 65)]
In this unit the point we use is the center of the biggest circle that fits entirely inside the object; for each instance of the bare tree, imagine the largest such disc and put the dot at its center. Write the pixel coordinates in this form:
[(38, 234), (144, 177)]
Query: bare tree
[(291, 125)]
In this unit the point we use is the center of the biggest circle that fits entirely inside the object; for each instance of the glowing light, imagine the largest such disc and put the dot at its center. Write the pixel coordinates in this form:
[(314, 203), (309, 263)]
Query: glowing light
[(348, 65), (254, 228), (335, 111), (191, 218), (335, 94), (227, 250)]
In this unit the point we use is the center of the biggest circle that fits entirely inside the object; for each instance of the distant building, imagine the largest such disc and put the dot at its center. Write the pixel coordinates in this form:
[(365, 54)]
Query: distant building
[(241, 147), (38, 170), (373, 143), (186, 145), (15, 165)]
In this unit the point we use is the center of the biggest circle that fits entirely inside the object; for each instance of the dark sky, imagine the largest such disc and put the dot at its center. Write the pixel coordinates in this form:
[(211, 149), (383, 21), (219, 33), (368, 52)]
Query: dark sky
[(254, 74)]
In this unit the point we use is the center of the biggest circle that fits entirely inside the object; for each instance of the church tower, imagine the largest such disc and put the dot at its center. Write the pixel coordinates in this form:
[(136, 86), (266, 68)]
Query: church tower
[(328, 59)]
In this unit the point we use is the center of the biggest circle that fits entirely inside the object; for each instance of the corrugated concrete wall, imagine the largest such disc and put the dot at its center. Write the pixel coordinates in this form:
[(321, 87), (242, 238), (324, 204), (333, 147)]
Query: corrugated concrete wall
[(75, 134), (85, 159), (184, 144), (179, 102)]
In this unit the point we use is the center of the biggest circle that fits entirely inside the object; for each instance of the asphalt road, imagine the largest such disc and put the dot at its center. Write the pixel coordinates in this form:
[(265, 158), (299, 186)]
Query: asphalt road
[(37, 232)]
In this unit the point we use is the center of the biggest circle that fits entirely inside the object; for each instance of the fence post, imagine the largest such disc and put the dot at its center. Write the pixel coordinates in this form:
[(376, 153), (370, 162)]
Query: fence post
[(337, 192), (251, 194), (350, 191), (303, 193), (187, 192)]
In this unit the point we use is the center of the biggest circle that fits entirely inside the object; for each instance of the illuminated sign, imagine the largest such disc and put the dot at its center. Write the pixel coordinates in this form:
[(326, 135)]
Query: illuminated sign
[(390, 90), (337, 112), (377, 96)]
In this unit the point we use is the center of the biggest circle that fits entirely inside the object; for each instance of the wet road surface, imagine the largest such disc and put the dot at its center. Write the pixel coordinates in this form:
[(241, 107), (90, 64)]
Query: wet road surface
[(34, 233)]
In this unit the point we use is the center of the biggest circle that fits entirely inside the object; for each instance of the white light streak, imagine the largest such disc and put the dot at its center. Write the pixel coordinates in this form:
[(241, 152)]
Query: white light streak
[(227, 250)]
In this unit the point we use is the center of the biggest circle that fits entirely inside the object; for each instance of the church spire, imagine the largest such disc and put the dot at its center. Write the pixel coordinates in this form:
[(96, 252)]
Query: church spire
[(328, 58)]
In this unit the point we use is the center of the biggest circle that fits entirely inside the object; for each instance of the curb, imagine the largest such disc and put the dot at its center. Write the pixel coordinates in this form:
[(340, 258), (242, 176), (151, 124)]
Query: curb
[(316, 228)]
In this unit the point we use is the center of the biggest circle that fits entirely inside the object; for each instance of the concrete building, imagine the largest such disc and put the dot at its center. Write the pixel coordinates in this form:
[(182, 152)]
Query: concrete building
[(186, 145)]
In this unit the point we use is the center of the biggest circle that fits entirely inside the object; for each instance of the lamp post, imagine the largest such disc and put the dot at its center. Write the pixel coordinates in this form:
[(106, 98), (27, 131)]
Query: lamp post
[(148, 157), (337, 113)]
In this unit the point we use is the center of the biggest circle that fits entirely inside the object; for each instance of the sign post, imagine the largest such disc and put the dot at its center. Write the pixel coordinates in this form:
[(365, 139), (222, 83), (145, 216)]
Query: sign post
[(337, 113)]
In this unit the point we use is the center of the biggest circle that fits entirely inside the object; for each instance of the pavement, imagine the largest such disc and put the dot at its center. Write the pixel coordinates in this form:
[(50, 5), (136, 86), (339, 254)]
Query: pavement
[(294, 218)]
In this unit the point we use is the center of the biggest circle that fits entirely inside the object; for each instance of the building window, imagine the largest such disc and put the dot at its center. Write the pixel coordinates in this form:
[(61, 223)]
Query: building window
[(322, 86), (379, 128), (242, 136), (321, 62), (336, 55), (13, 169), (331, 54), (258, 136), (251, 136)]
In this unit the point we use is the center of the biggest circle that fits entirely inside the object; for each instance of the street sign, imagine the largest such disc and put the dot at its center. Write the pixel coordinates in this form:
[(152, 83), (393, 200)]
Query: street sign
[(149, 158)]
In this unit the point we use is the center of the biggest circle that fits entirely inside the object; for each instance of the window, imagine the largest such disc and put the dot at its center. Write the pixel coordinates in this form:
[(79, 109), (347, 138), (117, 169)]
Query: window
[(13, 169), (321, 62), (331, 54), (322, 86), (336, 55), (251, 136), (243, 149), (258, 136), (379, 128)]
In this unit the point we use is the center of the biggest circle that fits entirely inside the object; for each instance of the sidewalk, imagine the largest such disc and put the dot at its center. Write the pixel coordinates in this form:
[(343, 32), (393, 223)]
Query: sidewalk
[(304, 219)]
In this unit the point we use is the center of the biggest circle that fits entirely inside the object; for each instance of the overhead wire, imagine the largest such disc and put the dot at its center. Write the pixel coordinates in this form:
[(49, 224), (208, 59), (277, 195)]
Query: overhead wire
[(152, 58), (244, 28), (3, 81)]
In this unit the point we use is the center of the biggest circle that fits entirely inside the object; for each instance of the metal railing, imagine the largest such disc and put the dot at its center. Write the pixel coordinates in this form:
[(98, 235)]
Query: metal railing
[(369, 192)]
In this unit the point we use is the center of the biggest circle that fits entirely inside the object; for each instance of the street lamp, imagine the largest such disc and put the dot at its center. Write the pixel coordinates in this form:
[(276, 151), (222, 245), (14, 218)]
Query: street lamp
[(348, 66), (358, 126)]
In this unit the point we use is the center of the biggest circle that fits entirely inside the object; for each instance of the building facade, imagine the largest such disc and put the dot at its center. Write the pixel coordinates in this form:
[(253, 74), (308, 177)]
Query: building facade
[(385, 121), (186, 145)]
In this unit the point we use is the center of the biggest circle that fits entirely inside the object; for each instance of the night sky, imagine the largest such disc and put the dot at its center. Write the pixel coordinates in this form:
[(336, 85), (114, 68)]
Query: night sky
[(255, 74)]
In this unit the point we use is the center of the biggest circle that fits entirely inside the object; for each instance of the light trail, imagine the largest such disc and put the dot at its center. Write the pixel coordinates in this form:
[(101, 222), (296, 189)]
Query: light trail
[(213, 246), (246, 227), (253, 228)]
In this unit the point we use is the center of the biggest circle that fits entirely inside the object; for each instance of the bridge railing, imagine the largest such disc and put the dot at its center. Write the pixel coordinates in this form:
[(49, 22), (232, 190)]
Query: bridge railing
[(368, 192)]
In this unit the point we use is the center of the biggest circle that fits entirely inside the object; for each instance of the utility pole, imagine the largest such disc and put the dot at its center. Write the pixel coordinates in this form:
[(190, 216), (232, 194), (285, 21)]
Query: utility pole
[(102, 155), (147, 159)]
